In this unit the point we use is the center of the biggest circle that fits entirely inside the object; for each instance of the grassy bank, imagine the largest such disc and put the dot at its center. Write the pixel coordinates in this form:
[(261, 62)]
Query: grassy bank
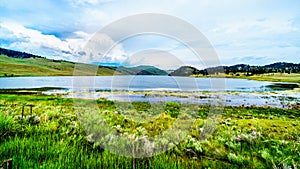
[(50, 135), (45, 67), (277, 77), (272, 77)]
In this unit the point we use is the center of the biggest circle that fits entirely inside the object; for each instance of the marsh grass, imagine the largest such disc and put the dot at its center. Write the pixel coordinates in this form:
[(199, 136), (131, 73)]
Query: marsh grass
[(250, 137), (273, 77)]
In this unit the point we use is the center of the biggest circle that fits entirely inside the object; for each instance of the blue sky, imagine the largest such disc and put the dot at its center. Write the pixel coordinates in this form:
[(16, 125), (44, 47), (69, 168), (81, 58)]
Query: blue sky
[(249, 31)]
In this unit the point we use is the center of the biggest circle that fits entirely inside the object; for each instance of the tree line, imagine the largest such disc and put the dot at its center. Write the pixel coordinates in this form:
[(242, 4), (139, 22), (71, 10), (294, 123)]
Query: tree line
[(280, 67), (17, 54)]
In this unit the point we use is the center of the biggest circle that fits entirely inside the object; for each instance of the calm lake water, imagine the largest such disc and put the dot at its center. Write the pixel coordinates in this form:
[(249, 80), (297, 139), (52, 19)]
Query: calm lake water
[(135, 83), (239, 91)]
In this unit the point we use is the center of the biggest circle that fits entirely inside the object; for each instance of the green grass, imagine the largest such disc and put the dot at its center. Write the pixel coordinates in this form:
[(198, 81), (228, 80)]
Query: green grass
[(45, 67), (277, 77), (273, 77), (250, 137)]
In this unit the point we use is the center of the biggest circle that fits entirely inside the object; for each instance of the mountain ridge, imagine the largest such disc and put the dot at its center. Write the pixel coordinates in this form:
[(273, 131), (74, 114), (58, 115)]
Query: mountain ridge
[(278, 67), (42, 64), (15, 63)]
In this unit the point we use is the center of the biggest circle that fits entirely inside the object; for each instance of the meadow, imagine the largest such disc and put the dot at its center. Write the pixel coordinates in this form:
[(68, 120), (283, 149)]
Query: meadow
[(271, 77), (275, 77), (15, 67), (50, 135)]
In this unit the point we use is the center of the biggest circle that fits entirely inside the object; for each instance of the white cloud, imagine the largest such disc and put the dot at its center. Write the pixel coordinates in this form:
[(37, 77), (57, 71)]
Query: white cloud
[(257, 27), (7, 35), (76, 3), (235, 28), (35, 42), (101, 48), (159, 58)]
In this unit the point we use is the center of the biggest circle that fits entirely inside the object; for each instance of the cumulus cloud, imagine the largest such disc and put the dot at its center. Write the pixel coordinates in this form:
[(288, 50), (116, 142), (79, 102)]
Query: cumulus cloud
[(8, 37), (235, 28), (159, 58), (101, 48), (24, 39), (81, 47)]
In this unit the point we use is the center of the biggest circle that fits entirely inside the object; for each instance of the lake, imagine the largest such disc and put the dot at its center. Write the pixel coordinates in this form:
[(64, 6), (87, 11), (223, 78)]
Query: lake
[(135, 83), (186, 89)]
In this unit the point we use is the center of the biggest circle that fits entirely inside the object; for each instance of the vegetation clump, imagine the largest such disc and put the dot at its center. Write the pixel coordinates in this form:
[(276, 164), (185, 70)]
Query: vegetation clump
[(54, 136)]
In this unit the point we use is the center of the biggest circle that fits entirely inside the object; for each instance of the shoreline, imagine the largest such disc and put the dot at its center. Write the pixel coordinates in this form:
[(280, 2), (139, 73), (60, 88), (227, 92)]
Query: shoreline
[(279, 99), (284, 78)]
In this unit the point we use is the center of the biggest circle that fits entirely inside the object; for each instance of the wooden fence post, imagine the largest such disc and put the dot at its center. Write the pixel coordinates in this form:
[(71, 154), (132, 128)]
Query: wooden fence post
[(30, 108), (22, 112), (7, 164)]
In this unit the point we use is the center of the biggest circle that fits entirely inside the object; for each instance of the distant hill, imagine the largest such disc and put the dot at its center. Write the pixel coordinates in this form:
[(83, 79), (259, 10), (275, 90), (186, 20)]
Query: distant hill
[(17, 54), (283, 66), (185, 71), (280, 67), (14, 63), (44, 67), (141, 70)]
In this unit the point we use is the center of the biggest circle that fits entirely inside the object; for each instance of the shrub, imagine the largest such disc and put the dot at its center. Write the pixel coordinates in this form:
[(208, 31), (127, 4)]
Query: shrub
[(141, 106), (4, 125), (173, 109)]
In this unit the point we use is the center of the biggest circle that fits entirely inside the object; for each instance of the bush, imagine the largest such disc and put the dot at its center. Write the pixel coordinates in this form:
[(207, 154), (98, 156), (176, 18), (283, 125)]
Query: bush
[(173, 109), (4, 125), (141, 106)]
